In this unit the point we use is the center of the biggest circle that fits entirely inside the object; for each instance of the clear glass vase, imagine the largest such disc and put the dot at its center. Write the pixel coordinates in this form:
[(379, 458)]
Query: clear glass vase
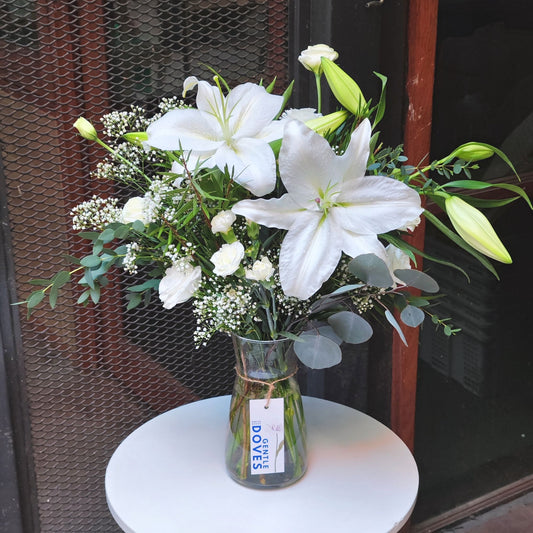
[(266, 443)]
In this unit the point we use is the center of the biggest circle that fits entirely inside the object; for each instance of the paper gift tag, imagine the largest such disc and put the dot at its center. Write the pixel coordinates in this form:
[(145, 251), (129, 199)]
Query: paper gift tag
[(267, 448)]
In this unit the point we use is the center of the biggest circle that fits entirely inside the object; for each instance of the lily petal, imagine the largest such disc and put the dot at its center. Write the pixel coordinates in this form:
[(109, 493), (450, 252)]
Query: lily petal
[(352, 164), (274, 213), (376, 204), (184, 128), (251, 109), (309, 254), (253, 163), (306, 163)]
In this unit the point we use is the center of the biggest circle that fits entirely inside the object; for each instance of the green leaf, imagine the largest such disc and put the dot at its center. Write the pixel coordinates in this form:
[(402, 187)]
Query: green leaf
[(372, 270), (107, 235), (122, 231), (346, 288), (150, 284), (418, 280), (138, 226), (350, 327), (71, 259), (61, 278), (40, 282), (91, 261), (134, 300), (317, 351), (36, 297), (52, 297), (392, 321), (479, 185), (95, 294), (84, 297), (380, 108), (89, 235), (98, 246), (412, 316)]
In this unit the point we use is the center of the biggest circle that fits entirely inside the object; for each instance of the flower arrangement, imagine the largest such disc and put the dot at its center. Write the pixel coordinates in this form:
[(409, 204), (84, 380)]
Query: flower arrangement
[(274, 222)]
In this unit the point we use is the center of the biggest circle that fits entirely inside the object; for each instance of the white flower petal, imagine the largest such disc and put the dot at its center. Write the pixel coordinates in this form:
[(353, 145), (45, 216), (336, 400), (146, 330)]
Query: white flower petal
[(273, 213), (352, 164), (309, 254), (251, 109), (376, 204), (188, 129), (354, 245), (253, 164), (306, 162)]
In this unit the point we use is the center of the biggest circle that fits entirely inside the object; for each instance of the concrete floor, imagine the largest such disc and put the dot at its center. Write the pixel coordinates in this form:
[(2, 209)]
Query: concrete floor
[(513, 517)]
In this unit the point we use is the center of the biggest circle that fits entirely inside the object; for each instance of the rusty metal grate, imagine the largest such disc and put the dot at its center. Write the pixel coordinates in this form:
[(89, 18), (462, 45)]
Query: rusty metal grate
[(92, 375)]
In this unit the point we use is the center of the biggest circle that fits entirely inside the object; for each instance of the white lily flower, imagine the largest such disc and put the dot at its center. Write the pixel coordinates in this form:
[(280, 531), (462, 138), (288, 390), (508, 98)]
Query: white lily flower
[(330, 207), (233, 131)]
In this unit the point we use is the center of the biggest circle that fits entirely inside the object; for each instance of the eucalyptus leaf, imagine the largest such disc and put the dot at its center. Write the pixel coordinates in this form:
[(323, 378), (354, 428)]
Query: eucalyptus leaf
[(150, 284), (138, 226), (317, 351), (418, 280), (36, 297), (107, 235), (98, 246), (392, 321), (61, 278), (122, 231), (91, 261), (89, 235), (330, 333), (346, 288), (350, 327), (134, 299), (95, 294), (372, 270), (84, 297), (412, 316), (52, 297)]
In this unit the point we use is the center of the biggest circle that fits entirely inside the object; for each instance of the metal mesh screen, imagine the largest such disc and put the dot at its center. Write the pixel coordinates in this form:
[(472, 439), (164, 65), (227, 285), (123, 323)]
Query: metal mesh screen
[(93, 374)]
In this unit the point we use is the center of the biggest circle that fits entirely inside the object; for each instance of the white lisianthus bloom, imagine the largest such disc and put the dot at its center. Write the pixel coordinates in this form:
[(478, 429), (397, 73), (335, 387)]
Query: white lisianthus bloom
[(228, 258), (310, 58), (330, 207), (397, 260), (233, 131), (262, 270), (135, 209), (179, 283), (221, 222)]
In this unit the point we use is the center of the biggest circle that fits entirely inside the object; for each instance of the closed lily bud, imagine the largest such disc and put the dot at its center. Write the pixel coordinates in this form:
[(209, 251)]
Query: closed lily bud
[(311, 56), (86, 129), (346, 91), (472, 152), (327, 123), (136, 137), (473, 226)]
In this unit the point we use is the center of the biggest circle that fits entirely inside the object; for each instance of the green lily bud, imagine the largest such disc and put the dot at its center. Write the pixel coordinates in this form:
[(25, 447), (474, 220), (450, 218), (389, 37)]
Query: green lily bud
[(346, 91), (472, 152), (86, 129), (136, 137), (473, 226), (327, 123)]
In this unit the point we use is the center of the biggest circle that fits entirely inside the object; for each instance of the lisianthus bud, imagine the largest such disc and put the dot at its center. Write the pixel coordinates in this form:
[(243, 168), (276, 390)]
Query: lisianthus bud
[(346, 91), (134, 209), (473, 226), (472, 152), (86, 129), (262, 270), (228, 258), (310, 57)]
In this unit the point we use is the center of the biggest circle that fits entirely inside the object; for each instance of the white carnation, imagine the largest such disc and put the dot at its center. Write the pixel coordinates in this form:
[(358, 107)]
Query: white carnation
[(261, 270), (228, 258)]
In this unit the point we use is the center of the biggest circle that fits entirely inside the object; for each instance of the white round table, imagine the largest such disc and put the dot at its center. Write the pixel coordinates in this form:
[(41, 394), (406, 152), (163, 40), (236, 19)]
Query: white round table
[(168, 476)]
